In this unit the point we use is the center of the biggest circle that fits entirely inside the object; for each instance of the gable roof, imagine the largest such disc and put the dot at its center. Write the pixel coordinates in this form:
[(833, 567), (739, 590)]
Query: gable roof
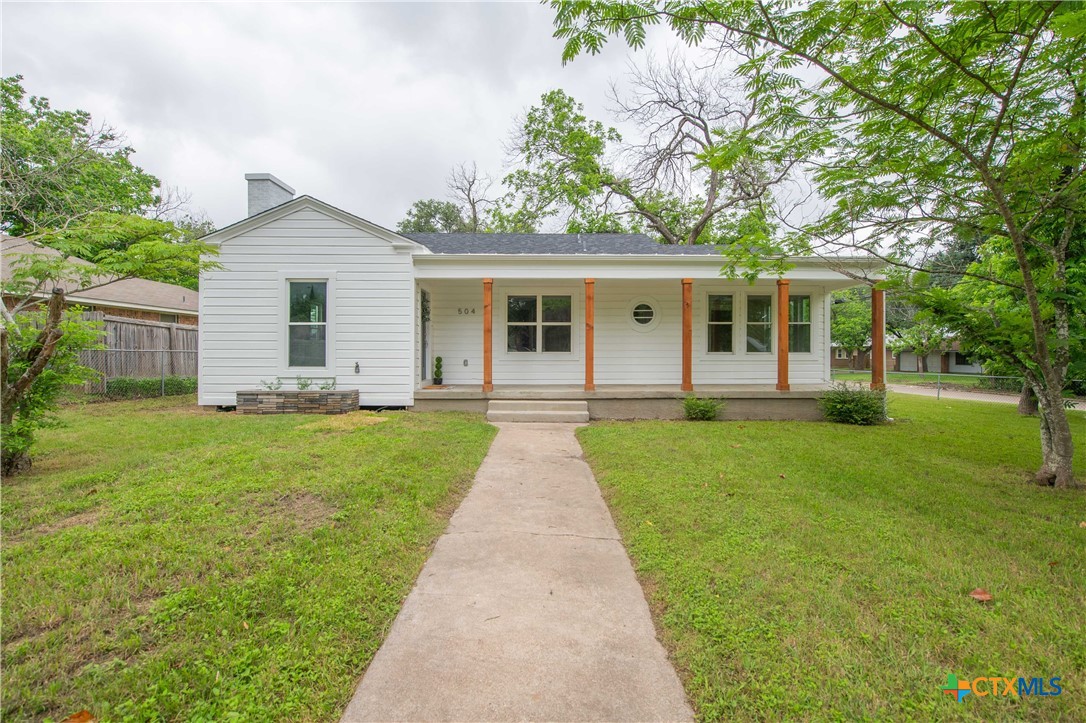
[(563, 244), (301, 202), (126, 293)]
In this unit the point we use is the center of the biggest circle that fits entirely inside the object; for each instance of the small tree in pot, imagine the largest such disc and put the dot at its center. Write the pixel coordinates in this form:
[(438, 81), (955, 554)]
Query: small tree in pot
[(437, 370)]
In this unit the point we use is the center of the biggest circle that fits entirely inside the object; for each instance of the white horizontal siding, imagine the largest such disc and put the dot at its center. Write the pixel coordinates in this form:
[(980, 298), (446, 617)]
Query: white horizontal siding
[(743, 367), (624, 353), (243, 332), (457, 339)]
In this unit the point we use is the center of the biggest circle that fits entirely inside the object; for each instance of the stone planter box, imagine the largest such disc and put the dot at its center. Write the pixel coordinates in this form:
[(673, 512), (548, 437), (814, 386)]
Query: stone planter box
[(293, 401)]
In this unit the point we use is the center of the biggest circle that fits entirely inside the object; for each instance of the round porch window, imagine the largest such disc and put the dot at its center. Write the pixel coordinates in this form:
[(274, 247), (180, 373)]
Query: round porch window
[(644, 314)]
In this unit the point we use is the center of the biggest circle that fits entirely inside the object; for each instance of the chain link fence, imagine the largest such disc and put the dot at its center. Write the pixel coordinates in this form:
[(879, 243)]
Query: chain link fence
[(972, 387), (139, 373)]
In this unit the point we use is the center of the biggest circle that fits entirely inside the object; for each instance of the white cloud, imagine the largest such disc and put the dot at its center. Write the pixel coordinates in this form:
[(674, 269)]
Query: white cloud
[(366, 106)]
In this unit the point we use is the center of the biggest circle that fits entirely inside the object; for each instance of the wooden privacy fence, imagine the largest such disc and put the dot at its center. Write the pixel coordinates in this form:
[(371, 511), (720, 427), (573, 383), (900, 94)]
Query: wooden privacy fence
[(140, 350)]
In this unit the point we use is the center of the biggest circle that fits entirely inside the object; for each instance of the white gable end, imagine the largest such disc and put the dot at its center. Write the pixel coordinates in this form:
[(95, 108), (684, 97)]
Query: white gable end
[(367, 271)]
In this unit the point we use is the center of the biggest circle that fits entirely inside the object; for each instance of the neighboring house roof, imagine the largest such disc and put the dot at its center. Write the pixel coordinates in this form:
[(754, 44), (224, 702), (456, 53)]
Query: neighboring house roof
[(125, 294), (563, 244)]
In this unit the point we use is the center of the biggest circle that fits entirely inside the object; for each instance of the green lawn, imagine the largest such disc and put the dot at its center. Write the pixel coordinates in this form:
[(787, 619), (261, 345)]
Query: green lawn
[(966, 381), (163, 562), (818, 571)]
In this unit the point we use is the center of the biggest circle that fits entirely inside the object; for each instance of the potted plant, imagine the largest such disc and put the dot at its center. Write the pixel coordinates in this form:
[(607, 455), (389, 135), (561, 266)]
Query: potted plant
[(437, 370)]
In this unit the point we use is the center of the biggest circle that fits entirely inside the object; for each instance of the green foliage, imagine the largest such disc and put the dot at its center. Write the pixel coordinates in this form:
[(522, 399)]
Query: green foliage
[(850, 319), (701, 410), (949, 125), (437, 368), (857, 404), (133, 388), (707, 185), (922, 338), (71, 188), (45, 158), (303, 383), (71, 185), (272, 386), (36, 408), (433, 216), (274, 599), (778, 556), (327, 385)]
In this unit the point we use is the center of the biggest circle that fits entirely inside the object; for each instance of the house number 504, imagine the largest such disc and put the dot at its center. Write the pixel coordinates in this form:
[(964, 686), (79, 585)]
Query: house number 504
[(463, 311)]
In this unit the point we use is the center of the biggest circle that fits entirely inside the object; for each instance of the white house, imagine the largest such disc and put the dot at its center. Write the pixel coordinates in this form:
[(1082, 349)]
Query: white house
[(617, 321)]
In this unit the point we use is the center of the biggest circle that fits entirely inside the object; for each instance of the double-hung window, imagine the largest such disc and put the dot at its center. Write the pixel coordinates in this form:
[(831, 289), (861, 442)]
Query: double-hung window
[(759, 323), (721, 320), (540, 323), (307, 324), (799, 324)]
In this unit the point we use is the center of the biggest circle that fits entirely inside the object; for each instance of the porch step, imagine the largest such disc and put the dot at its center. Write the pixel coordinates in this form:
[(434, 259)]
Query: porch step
[(526, 410)]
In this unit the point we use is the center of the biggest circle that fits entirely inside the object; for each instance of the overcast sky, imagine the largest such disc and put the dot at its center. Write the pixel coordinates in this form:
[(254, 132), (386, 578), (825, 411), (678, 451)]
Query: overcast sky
[(365, 106)]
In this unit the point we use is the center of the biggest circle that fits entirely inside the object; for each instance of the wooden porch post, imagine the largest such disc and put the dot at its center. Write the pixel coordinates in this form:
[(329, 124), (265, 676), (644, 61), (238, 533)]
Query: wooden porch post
[(488, 335), (782, 335), (878, 339), (589, 334), (688, 335)]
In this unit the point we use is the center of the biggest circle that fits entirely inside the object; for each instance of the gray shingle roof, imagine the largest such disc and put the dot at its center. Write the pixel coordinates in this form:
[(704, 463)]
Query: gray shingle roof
[(589, 244)]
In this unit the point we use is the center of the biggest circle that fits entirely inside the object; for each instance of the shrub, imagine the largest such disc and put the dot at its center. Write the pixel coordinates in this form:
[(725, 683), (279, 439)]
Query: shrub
[(701, 410), (131, 388), (853, 404)]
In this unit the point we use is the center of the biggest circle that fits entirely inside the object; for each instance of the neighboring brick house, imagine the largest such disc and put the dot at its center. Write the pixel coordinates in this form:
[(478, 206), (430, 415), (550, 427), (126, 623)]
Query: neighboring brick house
[(842, 358), (130, 298)]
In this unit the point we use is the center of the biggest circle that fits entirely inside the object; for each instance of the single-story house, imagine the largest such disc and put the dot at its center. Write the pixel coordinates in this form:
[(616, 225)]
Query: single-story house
[(842, 358), (616, 322), (948, 360), (130, 298)]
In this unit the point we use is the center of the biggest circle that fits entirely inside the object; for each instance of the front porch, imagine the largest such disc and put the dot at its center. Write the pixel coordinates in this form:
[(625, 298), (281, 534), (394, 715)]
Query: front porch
[(629, 347), (628, 401)]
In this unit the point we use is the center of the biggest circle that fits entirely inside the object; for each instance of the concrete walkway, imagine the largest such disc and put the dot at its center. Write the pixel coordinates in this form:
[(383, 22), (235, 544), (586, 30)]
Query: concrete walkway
[(528, 608)]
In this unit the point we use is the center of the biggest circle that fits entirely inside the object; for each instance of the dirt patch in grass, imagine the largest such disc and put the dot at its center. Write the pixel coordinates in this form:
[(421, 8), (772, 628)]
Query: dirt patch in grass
[(305, 510), (345, 422), (88, 517)]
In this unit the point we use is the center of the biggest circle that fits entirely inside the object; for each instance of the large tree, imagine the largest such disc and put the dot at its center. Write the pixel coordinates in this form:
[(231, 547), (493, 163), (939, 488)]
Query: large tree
[(69, 187), (699, 167), (466, 210), (926, 119), (65, 174)]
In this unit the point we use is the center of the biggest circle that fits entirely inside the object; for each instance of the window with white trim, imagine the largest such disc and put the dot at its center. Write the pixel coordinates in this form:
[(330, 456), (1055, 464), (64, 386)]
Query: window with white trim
[(307, 324), (539, 323), (721, 322), (759, 324), (840, 353), (799, 324)]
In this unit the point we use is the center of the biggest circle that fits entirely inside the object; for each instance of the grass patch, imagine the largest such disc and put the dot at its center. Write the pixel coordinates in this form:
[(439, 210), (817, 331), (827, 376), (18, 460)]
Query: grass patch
[(817, 571), (969, 382), (168, 562)]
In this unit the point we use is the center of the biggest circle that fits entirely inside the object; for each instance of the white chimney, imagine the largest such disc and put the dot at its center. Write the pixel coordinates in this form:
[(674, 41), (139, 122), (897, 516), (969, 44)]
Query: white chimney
[(266, 191)]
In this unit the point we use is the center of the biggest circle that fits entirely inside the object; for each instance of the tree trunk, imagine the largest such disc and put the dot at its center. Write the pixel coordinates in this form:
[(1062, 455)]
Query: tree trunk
[(1027, 401), (12, 462), (922, 363), (1057, 447)]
